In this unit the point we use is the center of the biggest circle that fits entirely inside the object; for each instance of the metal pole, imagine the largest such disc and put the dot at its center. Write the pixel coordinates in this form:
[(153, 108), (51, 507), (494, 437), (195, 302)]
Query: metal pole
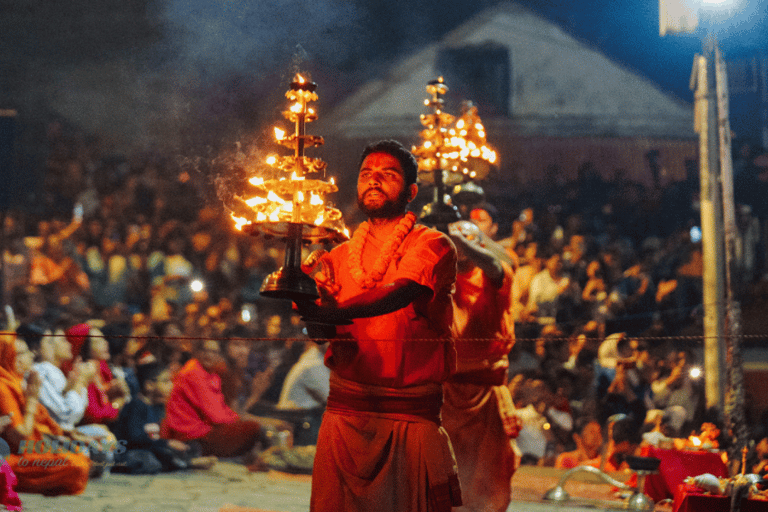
[(711, 224), (735, 416)]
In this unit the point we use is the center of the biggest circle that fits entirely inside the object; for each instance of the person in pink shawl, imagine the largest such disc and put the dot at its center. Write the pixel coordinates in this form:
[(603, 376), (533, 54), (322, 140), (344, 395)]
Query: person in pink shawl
[(8, 496)]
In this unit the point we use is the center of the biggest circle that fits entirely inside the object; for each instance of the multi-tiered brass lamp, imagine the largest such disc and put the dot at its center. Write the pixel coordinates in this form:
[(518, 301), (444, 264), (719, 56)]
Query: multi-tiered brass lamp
[(453, 154), (291, 206)]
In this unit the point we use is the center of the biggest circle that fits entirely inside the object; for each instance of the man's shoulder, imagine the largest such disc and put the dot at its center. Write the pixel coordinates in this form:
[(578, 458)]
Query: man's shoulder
[(422, 234)]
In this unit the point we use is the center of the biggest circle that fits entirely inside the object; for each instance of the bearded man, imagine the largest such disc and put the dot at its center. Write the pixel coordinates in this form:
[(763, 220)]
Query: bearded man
[(478, 412), (381, 446)]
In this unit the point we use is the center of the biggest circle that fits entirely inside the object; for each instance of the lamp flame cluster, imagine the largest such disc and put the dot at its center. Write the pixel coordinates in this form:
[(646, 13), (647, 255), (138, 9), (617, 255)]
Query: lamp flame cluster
[(454, 147), (293, 198), (292, 206)]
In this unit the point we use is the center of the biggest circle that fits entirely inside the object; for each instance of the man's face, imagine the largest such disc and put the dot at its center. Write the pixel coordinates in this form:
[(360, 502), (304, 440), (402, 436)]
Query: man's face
[(210, 354), (484, 221), (592, 436), (62, 348), (381, 189), (237, 351), (554, 264), (163, 386), (24, 357)]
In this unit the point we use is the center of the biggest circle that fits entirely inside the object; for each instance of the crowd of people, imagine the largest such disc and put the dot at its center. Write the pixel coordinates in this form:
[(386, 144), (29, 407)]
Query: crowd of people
[(142, 340)]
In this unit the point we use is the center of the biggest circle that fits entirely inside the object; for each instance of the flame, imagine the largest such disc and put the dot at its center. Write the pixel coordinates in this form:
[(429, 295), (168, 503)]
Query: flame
[(695, 441), (254, 201), (239, 222), (289, 196)]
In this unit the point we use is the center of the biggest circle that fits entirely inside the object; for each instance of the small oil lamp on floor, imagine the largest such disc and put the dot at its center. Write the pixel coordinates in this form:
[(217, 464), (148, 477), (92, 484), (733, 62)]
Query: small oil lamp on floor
[(292, 206)]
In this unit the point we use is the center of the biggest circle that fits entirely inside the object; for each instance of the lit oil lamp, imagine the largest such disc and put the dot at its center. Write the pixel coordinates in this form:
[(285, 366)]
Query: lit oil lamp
[(292, 207), (434, 168), (453, 153)]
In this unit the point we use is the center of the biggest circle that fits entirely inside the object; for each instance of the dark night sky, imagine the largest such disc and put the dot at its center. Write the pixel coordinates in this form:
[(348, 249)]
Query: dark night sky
[(148, 68)]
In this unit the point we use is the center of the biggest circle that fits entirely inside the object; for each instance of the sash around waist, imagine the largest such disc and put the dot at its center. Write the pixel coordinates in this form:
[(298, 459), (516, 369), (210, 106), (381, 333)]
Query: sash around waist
[(482, 377), (415, 403)]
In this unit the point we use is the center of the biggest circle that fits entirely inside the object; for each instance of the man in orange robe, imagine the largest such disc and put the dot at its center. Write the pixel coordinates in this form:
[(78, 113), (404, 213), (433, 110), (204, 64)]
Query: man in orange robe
[(478, 412), (197, 410), (381, 446), (44, 461)]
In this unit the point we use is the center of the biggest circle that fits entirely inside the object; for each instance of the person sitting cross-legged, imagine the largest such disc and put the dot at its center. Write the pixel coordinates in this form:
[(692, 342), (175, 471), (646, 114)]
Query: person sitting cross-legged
[(197, 410), (139, 426)]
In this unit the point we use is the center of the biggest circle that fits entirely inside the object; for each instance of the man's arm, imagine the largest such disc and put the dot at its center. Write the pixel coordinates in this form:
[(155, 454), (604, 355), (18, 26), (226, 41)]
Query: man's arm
[(374, 302), (477, 247)]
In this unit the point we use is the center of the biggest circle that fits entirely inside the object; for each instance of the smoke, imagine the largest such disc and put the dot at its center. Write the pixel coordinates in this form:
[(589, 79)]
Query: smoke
[(221, 37), (192, 72)]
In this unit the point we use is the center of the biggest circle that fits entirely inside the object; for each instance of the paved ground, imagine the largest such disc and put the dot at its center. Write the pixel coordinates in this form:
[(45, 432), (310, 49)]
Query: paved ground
[(229, 487)]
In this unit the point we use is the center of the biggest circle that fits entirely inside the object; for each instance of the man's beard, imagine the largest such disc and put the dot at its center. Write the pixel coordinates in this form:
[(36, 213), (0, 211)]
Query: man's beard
[(389, 209)]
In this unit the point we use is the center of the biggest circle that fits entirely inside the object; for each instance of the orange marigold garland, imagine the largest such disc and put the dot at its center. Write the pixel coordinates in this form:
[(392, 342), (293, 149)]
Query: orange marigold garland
[(380, 266)]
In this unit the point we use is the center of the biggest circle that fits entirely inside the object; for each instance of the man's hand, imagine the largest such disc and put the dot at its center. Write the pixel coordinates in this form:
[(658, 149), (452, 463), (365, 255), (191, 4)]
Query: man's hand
[(322, 273), (33, 385), (5, 421), (177, 445)]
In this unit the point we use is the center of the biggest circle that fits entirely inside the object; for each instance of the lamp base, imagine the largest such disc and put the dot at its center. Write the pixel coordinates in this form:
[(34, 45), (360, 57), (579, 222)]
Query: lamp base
[(289, 283)]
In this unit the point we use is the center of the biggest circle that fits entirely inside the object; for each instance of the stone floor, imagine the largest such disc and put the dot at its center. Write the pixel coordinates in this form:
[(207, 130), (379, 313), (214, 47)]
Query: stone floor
[(230, 487)]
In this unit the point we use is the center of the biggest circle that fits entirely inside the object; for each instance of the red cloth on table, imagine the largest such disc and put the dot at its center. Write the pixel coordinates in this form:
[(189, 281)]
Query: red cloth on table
[(195, 404), (689, 498), (675, 466)]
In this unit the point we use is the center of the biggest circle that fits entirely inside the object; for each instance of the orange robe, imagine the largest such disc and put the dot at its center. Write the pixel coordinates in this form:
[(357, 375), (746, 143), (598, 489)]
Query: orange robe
[(41, 473), (380, 446), (478, 412)]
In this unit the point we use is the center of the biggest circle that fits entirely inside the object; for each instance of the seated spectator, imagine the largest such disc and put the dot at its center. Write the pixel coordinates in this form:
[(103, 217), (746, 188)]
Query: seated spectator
[(674, 389), (197, 410), (589, 440), (307, 384), (45, 473), (625, 438), (533, 405), (620, 386), (305, 390), (121, 362), (761, 450), (552, 292), (139, 426), (65, 397), (106, 393), (9, 498), (245, 376)]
